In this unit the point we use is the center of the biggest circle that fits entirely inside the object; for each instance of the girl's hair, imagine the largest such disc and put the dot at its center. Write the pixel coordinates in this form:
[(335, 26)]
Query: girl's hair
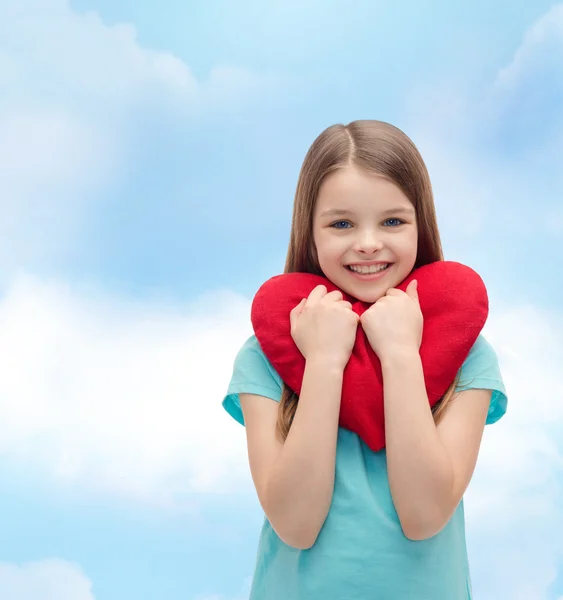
[(378, 148)]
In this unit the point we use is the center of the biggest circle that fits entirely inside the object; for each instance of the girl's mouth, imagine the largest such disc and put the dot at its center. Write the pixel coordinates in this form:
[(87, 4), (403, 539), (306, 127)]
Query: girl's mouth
[(368, 269)]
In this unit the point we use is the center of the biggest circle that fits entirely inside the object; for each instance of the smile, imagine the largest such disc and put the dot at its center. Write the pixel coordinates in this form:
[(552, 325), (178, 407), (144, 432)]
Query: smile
[(368, 270)]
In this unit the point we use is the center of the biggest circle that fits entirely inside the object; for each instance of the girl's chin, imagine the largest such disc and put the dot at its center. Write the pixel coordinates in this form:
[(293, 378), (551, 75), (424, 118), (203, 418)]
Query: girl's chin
[(366, 289), (369, 297)]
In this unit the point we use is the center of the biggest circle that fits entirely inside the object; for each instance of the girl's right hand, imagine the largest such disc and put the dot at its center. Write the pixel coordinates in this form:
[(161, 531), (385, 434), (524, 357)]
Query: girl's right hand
[(323, 326)]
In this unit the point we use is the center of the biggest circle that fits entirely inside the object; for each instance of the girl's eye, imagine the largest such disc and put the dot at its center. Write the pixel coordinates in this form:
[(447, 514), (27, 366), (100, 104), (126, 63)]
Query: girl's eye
[(393, 222), (341, 224)]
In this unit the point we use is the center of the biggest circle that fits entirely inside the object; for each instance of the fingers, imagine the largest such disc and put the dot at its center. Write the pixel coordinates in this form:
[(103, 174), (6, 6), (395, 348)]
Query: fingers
[(336, 296), (318, 292), (411, 291), (394, 292)]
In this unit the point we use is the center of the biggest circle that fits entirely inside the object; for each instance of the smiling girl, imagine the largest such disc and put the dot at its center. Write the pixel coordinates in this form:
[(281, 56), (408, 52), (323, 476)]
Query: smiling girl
[(342, 521)]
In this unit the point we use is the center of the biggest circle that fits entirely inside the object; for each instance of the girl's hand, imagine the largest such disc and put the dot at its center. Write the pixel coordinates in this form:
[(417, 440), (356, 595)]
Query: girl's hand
[(394, 323), (323, 326)]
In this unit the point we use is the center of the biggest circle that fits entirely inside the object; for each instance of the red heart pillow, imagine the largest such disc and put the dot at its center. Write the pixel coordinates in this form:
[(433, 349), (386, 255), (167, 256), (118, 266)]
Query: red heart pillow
[(454, 303)]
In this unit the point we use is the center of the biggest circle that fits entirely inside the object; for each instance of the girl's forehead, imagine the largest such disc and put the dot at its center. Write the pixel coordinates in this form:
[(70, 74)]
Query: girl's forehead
[(355, 190)]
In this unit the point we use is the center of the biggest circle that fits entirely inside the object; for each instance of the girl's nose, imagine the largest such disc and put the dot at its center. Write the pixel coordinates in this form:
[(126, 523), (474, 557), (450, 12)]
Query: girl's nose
[(369, 243)]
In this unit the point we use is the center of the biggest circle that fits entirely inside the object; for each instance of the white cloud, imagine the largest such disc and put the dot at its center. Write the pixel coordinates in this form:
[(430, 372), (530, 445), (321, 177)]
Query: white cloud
[(47, 162), (120, 396), (526, 102), (77, 57), (541, 49), (491, 149), (44, 580), (73, 93), (68, 82), (513, 505), (124, 398)]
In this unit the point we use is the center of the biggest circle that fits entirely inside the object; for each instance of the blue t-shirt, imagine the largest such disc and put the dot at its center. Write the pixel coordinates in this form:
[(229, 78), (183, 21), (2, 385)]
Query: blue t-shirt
[(361, 552)]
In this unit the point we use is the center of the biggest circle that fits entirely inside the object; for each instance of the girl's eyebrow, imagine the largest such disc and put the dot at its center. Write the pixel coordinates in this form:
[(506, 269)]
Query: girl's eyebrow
[(338, 212), (404, 210)]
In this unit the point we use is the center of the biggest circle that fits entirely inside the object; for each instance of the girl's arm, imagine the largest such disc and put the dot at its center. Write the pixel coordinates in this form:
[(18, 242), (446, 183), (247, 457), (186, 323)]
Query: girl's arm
[(429, 466), (295, 480)]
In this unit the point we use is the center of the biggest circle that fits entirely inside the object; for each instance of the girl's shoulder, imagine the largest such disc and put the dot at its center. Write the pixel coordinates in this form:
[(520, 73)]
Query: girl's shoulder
[(251, 357), (481, 370), (482, 359), (252, 374)]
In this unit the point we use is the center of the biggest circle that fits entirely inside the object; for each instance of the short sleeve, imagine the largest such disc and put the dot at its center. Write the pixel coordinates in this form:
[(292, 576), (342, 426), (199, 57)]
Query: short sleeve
[(481, 371), (252, 374)]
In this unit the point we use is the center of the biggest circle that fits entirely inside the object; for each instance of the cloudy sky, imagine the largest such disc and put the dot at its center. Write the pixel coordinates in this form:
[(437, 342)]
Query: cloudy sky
[(148, 159)]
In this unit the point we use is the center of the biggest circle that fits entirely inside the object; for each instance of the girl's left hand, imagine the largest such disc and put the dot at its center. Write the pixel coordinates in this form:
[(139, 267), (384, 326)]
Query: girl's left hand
[(394, 323)]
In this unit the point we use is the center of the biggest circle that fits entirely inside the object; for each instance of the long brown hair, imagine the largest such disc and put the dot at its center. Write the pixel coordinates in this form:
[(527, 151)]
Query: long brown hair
[(379, 148)]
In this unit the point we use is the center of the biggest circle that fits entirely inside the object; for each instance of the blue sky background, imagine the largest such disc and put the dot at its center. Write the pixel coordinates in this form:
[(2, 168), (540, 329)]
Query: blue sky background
[(148, 160)]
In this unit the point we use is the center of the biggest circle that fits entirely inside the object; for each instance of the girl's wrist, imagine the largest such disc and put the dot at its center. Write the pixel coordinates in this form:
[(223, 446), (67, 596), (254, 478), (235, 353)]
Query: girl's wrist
[(399, 356), (326, 363)]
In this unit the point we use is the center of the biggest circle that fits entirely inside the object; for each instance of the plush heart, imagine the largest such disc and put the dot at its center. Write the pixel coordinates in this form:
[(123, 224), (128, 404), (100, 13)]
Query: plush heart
[(454, 303)]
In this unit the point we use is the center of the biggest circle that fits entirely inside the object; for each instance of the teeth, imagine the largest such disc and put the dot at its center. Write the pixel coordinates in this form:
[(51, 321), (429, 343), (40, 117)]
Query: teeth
[(368, 270)]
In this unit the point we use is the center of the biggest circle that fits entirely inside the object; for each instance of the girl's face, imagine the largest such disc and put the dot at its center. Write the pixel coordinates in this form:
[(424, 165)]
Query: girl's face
[(365, 233)]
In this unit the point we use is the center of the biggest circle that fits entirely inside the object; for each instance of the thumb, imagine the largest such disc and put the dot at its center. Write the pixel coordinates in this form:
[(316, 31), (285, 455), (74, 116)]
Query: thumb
[(412, 290)]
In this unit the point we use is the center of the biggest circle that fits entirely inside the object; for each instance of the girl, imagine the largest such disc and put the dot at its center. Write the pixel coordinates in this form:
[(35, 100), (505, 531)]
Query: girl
[(343, 522)]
